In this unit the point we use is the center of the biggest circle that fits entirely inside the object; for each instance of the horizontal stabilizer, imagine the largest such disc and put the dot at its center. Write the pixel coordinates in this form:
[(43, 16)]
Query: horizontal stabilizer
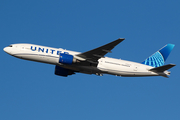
[(162, 68)]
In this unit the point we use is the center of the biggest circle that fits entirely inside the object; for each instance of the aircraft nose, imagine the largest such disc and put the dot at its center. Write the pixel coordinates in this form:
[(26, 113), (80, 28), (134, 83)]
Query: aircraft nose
[(7, 50)]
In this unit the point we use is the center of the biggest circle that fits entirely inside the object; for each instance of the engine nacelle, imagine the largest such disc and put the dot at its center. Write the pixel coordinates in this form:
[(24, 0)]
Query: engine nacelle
[(66, 59), (63, 71)]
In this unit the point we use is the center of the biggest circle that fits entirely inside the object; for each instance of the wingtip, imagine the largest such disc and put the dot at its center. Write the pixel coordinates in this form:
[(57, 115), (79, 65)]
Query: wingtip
[(121, 38)]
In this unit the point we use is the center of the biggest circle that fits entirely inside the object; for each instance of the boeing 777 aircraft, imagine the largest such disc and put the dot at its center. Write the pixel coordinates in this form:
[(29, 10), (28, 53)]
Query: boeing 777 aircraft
[(93, 61)]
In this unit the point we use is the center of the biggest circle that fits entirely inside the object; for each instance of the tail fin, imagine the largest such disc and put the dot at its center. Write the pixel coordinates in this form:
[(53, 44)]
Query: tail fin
[(158, 59)]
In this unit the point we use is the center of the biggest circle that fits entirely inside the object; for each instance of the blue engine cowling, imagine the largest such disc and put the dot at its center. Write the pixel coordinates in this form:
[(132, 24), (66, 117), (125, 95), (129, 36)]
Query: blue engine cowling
[(65, 58), (63, 71)]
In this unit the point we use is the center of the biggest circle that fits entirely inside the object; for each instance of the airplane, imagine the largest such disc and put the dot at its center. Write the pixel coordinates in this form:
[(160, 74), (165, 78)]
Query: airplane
[(93, 61)]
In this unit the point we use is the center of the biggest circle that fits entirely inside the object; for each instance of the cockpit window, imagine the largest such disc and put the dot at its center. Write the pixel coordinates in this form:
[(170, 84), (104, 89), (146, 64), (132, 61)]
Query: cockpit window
[(10, 46)]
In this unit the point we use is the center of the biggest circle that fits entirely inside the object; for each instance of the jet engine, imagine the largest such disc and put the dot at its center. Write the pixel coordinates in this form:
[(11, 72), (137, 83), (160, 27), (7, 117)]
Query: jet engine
[(63, 71), (66, 59)]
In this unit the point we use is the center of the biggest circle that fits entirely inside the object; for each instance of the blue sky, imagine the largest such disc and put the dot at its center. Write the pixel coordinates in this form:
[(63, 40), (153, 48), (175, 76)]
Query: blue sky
[(30, 90)]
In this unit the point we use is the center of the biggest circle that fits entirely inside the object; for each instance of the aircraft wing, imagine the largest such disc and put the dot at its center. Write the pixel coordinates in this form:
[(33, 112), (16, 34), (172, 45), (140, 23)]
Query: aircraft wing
[(92, 56)]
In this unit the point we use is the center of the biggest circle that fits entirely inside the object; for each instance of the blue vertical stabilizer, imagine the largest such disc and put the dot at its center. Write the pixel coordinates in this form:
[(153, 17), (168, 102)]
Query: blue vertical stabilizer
[(159, 58)]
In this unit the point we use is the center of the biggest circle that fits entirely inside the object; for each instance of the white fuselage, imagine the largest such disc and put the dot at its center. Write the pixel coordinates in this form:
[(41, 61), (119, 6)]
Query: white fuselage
[(105, 65)]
